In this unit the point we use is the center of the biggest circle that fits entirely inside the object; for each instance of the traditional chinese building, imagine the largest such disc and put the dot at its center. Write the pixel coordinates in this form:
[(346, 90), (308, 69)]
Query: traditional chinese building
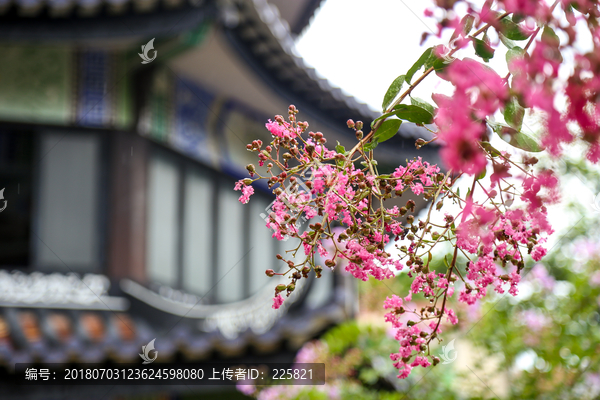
[(121, 224)]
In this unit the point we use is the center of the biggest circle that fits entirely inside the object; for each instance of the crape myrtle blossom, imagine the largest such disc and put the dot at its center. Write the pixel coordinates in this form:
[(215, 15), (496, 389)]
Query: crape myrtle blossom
[(501, 222), (349, 228)]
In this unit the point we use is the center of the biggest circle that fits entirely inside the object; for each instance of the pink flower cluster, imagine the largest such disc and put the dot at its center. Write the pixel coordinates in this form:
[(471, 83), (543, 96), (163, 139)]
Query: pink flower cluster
[(350, 227), (479, 93)]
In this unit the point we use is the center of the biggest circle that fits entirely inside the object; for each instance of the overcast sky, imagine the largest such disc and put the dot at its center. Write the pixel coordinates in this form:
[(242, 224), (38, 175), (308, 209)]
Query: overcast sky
[(362, 46)]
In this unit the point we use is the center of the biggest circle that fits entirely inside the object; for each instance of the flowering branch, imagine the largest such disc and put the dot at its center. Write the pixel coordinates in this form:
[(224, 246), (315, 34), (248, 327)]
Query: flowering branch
[(344, 196)]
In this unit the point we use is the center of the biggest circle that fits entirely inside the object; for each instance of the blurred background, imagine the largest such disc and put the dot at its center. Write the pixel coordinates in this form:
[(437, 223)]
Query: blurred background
[(123, 126)]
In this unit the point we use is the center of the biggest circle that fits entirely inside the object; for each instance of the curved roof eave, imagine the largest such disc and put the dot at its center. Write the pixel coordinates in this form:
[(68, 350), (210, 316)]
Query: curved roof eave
[(264, 41)]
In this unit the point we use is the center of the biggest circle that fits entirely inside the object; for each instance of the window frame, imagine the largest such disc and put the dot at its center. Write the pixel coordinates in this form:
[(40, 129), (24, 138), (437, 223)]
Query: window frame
[(218, 180), (101, 212)]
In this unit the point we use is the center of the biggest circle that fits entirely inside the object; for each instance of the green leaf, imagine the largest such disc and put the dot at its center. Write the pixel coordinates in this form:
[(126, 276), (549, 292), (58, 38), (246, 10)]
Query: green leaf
[(514, 113), (506, 41), (550, 37), (438, 63), (416, 101), (483, 50), (515, 52), (490, 149), (446, 261), (465, 26), (383, 116), (413, 113), (517, 18), (393, 91), (515, 138), (387, 130), (370, 146), (417, 66), (512, 31), (482, 174), (340, 149), (552, 40)]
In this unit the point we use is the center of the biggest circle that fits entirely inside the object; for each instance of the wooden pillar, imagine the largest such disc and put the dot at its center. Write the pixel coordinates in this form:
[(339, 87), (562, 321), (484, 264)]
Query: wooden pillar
[(127, 207)]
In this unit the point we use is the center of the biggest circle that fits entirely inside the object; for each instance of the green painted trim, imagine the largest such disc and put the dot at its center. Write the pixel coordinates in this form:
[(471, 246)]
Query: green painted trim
[(36, 83), (160, 105), (123, 100)]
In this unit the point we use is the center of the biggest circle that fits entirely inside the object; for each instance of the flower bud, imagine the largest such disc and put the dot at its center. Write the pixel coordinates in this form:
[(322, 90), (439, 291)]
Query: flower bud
[(270, 272), (359, 125), (291, 287), (247, 181), (318, 271), (280, 288), (350, 124), (251, 168), (359, 134)]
